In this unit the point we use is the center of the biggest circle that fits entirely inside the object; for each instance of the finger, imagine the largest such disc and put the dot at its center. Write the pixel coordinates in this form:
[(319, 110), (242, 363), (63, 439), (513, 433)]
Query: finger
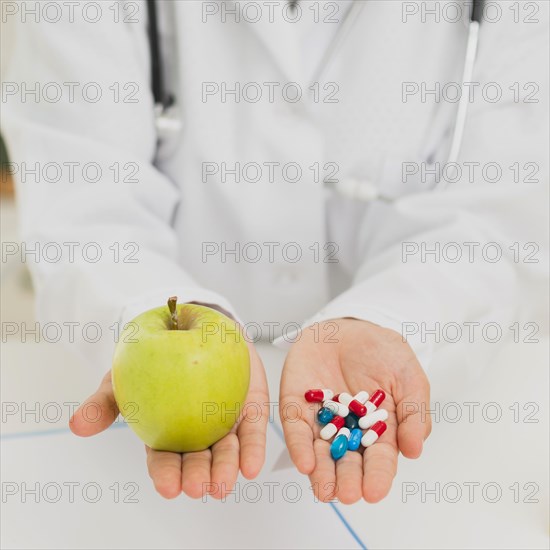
[(323, 476), (349, 477), (299, 440), (97, 413), (225, 465), (252, 434), (380, 467), (165, 471), (195, 473), (415, 424)]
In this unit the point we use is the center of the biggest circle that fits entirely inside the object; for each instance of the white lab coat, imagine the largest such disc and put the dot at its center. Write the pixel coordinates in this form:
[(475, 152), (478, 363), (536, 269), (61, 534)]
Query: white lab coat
[(171, 213)]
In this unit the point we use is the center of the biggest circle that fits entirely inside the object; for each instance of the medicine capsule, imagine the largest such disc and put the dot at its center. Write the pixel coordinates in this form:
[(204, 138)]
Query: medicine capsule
[(336, 408), (367, 421), (373, 434), (324, 415), (362, 396), (332, 427), (340, 444), (343, 397), (352, 422), (355, 439), (317, 396), (375, 400), (356, 407)]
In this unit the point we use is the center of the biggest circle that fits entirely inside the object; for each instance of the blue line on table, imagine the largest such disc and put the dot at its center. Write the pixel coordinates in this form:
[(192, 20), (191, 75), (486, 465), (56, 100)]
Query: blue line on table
[(337, 511)]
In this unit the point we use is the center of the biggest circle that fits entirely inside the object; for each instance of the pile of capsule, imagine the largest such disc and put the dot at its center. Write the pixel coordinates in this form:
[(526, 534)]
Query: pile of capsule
[(353, 420)]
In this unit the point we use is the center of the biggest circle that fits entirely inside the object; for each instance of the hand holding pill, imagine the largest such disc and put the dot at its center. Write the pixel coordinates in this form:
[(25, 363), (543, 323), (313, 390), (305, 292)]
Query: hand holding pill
[(362, 358)]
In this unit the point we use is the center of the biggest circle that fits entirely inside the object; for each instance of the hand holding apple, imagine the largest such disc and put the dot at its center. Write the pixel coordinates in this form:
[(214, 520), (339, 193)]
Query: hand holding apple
[(224, 448)]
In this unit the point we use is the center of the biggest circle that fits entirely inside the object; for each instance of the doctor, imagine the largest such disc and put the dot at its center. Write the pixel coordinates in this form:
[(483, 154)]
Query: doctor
[(282, 108)]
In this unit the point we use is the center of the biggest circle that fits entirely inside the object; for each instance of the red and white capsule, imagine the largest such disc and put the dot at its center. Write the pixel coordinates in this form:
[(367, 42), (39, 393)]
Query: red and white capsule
[(377, 429), (332, 427), (362, 396), (367, 421), (343, 397), (356, 407), (317, 396), (375, 401), (339, 409)]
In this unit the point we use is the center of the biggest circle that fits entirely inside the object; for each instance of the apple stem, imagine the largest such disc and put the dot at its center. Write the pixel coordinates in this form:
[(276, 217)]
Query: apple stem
[(172, 303)]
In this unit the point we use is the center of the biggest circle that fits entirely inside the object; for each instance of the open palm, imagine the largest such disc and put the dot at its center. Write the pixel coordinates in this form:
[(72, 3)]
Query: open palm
[(213, 471), (359, 356)]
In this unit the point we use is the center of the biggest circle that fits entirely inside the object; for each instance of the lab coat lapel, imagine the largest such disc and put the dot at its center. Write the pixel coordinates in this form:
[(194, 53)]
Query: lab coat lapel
[(279, 38), (282, 39)]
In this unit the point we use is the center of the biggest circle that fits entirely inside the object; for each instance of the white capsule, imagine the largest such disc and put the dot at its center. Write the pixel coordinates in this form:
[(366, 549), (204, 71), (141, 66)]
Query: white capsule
[(338, 409), (362, 397), (328, 431), (365, 422), (344, 431)]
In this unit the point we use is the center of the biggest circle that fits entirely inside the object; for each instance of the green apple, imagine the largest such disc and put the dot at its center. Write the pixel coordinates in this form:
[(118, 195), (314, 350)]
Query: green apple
[(180, 376)]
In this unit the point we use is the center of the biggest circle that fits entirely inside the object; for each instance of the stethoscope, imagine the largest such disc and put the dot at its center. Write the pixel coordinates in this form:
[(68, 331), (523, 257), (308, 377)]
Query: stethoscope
[(168, 122)]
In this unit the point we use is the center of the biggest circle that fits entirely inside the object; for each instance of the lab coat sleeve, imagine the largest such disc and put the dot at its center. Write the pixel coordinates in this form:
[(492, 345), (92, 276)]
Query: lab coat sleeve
[(401, 290), (95, 214)]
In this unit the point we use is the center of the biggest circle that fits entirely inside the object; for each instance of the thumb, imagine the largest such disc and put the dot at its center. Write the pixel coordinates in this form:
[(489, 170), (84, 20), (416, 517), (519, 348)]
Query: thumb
[(97, 413)]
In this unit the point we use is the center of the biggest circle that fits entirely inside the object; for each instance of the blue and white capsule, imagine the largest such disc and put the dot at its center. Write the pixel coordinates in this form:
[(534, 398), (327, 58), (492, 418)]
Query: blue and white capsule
[(340, 444)]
